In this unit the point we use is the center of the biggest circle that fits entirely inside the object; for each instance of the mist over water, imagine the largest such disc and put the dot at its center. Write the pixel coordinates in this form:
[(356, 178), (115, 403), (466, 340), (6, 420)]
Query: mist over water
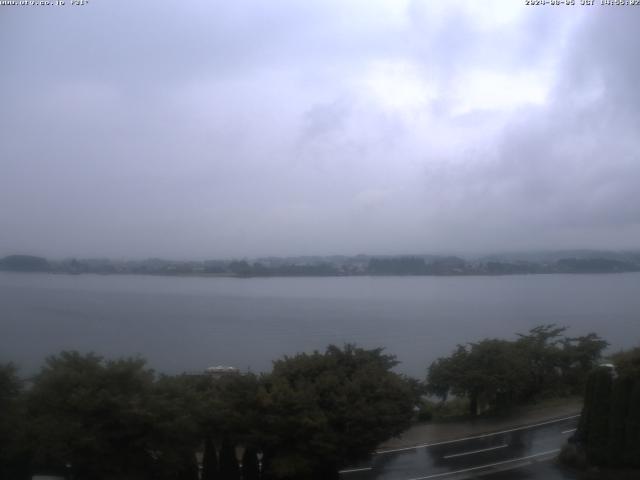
[(183, 324)]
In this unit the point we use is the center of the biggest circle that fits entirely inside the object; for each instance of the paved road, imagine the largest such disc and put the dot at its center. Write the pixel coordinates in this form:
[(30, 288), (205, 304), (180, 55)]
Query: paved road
[(522, 449)]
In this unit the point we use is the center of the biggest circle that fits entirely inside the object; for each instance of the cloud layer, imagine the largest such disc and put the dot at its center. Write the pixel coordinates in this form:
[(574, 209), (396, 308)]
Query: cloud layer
[(203, 129)]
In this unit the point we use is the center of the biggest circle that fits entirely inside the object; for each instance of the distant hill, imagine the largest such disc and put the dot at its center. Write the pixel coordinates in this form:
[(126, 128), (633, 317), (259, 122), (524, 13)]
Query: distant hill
[(595, 265), (24, 263), (552, 256), (561, 261)]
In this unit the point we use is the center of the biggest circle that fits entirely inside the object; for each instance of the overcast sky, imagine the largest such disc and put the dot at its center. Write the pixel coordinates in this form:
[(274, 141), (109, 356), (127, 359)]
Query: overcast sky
[(207, 129)]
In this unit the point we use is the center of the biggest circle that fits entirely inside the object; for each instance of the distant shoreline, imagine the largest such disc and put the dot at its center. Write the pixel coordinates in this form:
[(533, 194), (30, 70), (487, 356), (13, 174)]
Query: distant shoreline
[(337, 266), (243, 277)]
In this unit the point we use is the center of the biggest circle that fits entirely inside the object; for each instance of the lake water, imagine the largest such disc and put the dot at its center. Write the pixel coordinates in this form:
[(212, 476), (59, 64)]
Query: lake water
[(189, 323)]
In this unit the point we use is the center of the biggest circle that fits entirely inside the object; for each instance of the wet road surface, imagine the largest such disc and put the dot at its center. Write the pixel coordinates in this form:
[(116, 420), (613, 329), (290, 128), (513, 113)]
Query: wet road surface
[(521, 452)]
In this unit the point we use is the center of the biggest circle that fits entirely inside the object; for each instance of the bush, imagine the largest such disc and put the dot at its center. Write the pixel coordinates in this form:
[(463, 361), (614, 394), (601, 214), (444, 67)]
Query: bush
[(425, 412), (451, 409), (573, 456)]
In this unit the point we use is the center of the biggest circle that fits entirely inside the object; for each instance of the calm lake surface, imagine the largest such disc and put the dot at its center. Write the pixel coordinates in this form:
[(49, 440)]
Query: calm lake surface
[(189, 323)]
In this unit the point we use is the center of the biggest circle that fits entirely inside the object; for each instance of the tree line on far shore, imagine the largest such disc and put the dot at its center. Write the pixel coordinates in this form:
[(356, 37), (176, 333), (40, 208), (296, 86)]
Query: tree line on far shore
[(328, 266), (86, 417)]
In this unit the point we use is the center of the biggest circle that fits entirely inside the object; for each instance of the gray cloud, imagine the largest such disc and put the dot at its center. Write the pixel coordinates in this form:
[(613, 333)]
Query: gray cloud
[(250, 128)]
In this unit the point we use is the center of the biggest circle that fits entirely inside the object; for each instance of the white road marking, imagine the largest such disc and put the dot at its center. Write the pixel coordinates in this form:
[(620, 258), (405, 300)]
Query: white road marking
[(353, 470), (476, 451), (475, 437), (436, 475), (568, 431)]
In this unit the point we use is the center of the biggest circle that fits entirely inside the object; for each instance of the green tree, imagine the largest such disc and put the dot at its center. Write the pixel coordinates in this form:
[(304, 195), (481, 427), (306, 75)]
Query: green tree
[(632, 430), (229, 468), (91, 414), (250, 464), (620, 399), (13, 450), (541, 349), (229, 408), (627, 364), (210, 461), (578, 356), (609, 428), (329, 409), (489, 373), (175, 432), (496, 374), (597, 415), (558, 365)]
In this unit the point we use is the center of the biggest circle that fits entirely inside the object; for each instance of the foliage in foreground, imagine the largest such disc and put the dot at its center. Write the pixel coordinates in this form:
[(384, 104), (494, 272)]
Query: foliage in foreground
[(609, 429), (333, 408), (116, 419), (98, 419), (496, 374)]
